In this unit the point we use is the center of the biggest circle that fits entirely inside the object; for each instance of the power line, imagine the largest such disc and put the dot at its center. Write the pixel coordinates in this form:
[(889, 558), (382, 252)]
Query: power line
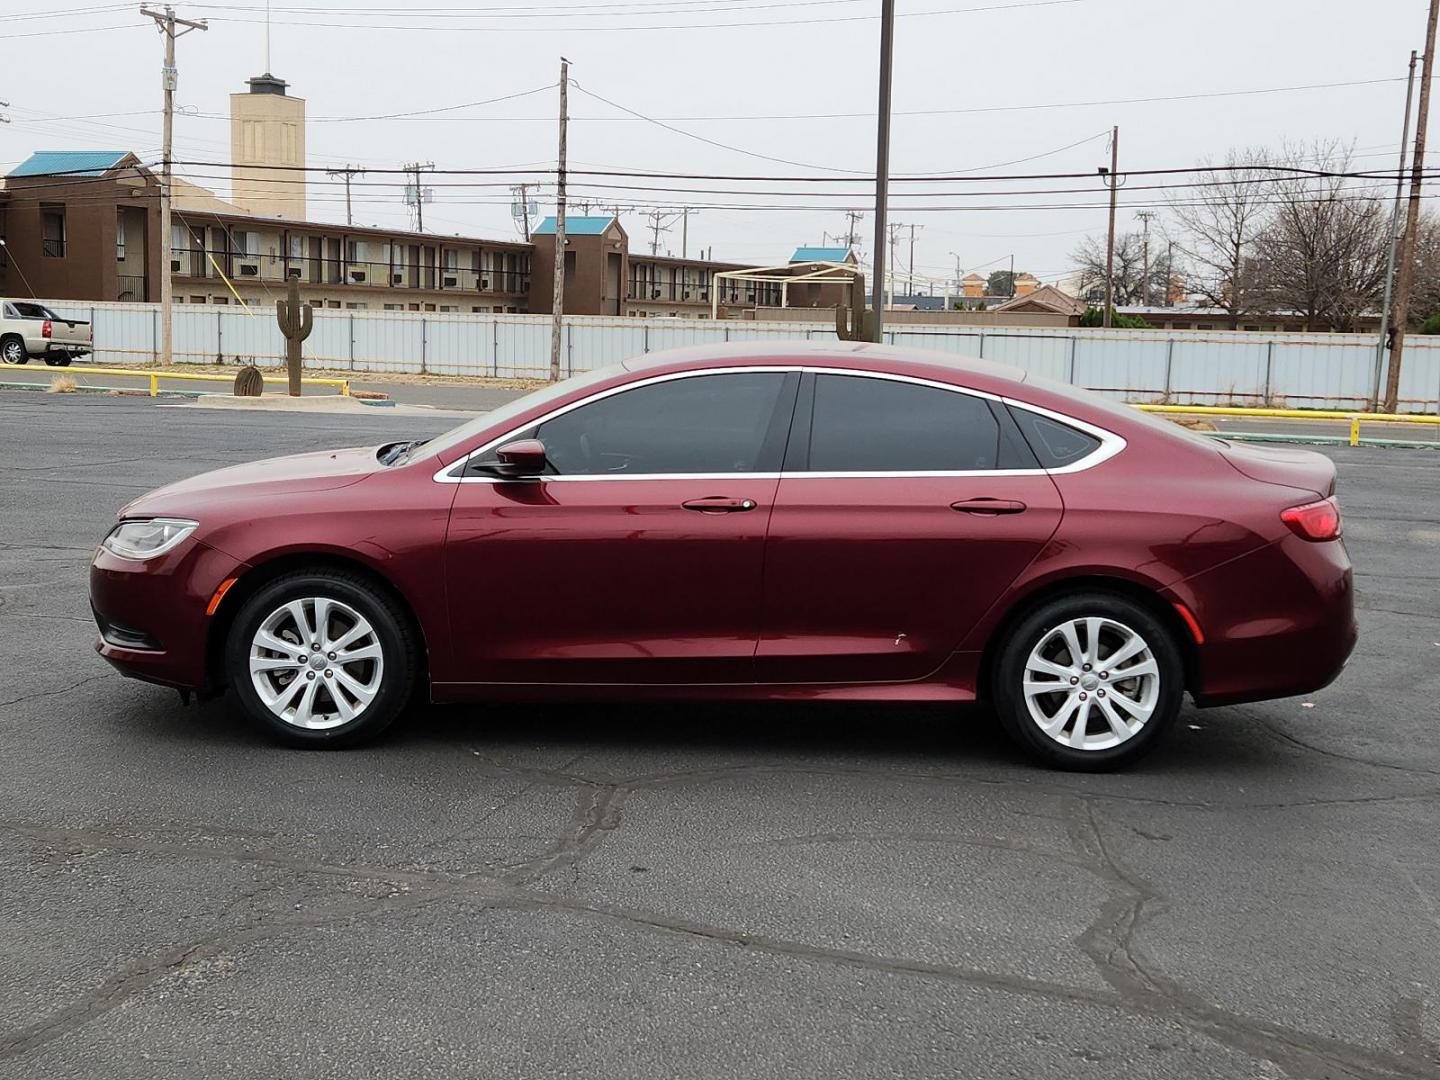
[(612, 28)]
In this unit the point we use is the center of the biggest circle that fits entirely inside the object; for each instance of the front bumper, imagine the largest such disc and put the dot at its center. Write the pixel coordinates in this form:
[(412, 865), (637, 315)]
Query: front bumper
[(151, 613)]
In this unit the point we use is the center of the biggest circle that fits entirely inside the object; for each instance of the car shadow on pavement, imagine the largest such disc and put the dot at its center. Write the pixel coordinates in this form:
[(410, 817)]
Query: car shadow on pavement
[(1214, 741)]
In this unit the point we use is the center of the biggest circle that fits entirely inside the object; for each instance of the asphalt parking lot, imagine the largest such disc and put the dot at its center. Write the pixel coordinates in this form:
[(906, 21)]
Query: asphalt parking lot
[(525, 891)]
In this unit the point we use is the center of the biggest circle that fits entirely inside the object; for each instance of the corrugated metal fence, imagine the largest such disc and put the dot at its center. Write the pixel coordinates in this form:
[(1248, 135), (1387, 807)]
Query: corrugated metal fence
[(1187, 367)]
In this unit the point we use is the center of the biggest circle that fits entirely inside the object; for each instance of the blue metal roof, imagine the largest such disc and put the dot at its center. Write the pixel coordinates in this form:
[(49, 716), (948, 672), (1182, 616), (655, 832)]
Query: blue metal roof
[(69, 163), (574, 226), (820, 254)]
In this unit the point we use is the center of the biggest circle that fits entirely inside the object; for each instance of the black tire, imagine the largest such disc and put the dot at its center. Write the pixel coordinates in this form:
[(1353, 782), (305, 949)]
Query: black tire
[(12, 350), (1045, 624), (59, 360), (394, 676)]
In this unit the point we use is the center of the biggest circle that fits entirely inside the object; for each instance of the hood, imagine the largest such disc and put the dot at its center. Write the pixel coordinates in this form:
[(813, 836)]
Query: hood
[(320, 471), (1302, 469)]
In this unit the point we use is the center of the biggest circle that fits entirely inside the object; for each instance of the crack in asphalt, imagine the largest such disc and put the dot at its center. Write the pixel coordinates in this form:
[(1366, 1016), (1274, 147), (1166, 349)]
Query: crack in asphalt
[(1109, 941), (37, 695)]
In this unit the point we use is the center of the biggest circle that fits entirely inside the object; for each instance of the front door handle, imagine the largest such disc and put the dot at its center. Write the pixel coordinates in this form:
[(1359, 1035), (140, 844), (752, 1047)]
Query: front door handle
[(985, 507), (719, 504)]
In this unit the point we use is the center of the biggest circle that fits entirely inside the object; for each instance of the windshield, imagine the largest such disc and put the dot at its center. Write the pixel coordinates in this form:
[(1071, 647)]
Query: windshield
[(512, 409)]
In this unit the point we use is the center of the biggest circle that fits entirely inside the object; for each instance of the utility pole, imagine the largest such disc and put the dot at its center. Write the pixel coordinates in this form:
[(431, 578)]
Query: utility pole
[(895, 228), (1406, 277), (660, 223), (882, 160), (522, 194), (910, 287), (1169, 272), (852, 231), (1394, 239), (166, 23), (1106, 318), (1145, 216), (557, 305), (685, 213), (347, 171), (415, 195)]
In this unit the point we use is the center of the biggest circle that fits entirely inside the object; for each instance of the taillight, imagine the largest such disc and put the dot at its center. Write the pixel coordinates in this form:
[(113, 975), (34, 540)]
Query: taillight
[(1314, 521), (47, 329)]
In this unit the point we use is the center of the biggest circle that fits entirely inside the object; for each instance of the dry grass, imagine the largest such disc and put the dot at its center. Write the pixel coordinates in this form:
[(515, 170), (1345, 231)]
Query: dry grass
[(63, 384)]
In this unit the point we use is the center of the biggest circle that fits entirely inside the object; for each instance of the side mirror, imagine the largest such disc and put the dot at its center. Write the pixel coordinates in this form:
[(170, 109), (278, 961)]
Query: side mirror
[(524, 457)]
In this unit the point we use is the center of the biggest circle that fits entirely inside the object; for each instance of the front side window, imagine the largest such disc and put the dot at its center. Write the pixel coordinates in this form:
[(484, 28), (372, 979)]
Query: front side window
[(723, 423), (863, 424)]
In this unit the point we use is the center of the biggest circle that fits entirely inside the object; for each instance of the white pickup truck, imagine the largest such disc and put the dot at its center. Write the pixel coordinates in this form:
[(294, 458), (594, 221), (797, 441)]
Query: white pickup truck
[(32, 331)]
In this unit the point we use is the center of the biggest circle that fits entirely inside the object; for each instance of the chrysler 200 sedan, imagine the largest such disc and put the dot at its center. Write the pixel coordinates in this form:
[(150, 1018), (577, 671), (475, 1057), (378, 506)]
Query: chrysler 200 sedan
[(826, 523)]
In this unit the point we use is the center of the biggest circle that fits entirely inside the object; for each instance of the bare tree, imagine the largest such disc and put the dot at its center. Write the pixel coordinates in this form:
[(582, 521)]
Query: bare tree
[(1089, 260), (1321, 252), (1425, 295), (1219, 218)]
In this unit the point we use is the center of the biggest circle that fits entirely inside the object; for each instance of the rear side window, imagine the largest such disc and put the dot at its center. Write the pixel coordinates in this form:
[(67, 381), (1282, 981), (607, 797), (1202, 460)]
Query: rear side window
[(1055, 444), (878, 425), (33, 311)]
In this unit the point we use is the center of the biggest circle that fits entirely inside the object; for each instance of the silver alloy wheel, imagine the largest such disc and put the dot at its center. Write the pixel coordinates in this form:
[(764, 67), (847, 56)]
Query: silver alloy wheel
[(1091, 683), (316, 663), (14, 352)]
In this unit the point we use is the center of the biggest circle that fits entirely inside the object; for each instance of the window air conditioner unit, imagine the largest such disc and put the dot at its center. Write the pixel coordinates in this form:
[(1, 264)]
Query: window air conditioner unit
[(357, 275), (704, 294), (750, 297), (485, 283), (294, 272), (685, 295), (450, 282), (655, 294), (249, 270), (397, 279), (174, 266)]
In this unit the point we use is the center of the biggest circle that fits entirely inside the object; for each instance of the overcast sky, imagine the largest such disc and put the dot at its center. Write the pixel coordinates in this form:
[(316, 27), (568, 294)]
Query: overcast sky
[(678, 61)]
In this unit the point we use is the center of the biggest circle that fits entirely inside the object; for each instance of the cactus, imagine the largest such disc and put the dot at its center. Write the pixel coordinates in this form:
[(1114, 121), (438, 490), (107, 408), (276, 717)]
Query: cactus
[(296, 321), (249, 382), (860, 325)]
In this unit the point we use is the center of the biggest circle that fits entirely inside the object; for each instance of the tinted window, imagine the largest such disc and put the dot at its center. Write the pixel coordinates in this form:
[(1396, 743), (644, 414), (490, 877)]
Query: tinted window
[(1055, 444), (705, 424), (877, 425), (33, 311)]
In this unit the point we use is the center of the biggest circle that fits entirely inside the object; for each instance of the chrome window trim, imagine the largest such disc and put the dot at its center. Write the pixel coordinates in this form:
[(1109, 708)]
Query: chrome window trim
[(1110, 443)]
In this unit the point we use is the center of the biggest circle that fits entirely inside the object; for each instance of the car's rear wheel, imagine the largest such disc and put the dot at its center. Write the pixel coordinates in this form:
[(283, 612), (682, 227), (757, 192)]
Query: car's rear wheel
[(58, 360), (322, 659), (1089, 682), (12, 351)]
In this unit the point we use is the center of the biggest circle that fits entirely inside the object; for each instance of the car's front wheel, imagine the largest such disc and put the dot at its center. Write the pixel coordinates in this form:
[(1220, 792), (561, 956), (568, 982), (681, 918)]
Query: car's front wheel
[(1089, 682), (322, 659)]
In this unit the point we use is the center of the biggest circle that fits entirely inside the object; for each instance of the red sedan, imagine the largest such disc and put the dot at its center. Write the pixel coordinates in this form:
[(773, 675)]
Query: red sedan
[(837, 522)]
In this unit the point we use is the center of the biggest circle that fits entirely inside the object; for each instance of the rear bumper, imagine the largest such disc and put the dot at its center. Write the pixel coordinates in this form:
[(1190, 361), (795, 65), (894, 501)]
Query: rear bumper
[(1277, 622), (151, 614)]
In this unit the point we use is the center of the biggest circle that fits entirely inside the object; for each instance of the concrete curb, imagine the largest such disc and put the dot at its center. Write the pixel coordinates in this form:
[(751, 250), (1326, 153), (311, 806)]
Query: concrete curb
[(322, 403)]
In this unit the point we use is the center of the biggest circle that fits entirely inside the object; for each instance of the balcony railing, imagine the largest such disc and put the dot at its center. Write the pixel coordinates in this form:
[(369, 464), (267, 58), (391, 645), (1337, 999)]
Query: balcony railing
[(379, 275)]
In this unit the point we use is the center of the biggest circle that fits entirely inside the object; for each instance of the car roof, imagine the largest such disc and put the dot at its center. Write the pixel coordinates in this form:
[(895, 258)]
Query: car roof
[(861, 355)]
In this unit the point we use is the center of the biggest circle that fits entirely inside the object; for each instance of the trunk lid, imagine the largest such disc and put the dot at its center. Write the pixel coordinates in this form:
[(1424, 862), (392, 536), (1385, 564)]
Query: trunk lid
[(1304, 470)]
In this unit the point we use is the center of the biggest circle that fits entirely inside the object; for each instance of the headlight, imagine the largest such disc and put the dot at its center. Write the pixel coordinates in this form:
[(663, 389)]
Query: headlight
[(147, 539)]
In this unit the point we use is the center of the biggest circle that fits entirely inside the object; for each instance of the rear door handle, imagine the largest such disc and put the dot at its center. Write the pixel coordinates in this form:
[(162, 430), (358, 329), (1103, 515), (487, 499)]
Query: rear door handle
[(988, 507), (719, 504)]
